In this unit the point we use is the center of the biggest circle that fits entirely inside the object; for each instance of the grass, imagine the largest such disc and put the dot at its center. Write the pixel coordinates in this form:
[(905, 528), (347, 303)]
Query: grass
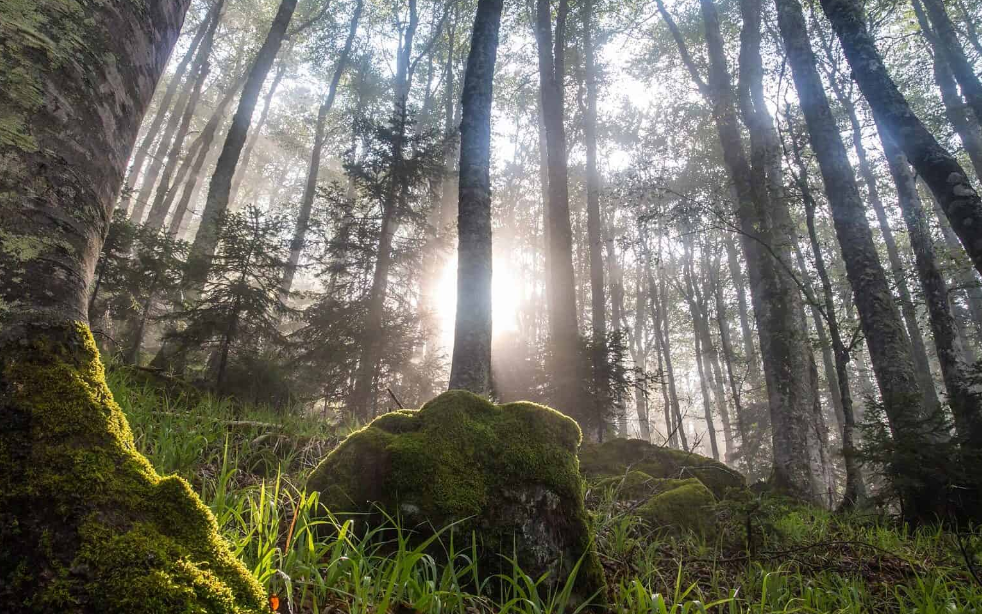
[(249, 465)]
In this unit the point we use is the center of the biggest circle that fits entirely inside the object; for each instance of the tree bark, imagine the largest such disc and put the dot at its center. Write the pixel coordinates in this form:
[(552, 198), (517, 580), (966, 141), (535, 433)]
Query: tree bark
[(471, 365), (242, 168), (594, 221), (199, 151), (313, 170), (216, 204), (940, 170), (886, 338)]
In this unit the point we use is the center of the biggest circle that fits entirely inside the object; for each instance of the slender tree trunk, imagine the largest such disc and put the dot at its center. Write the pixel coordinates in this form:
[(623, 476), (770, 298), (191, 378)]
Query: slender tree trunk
[(828, 362), (964, 399), (662, 335), (200, 149), (564, 336), (363, 396), (739, 285), (471, 366), (638, 350), (964, 276), (962, 120), (886, 338), (243, 167), (594, 220), (313, 170), (855, 488), (153, 131), (940, 170), (219, 189), (727, 347)]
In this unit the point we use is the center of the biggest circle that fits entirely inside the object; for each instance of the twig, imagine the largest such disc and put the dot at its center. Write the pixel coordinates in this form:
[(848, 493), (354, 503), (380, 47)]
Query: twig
[(395, 398)]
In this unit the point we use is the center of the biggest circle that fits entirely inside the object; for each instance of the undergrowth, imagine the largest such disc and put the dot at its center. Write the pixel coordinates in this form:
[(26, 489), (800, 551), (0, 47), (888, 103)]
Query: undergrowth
[(771, 556)]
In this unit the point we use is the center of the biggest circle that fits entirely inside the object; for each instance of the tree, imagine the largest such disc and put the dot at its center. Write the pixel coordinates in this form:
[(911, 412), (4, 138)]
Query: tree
[(310, 188), (471, 366), (560, 283), (940, 170), (220, 187), (74, 492)]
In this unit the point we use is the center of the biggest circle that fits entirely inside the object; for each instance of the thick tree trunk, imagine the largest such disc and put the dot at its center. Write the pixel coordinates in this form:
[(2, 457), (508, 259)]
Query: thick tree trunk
[(886, 338), (471, 365), (964, 399), (564, 337), (73, 489), (217, 202), (313, 170), (940, 170)]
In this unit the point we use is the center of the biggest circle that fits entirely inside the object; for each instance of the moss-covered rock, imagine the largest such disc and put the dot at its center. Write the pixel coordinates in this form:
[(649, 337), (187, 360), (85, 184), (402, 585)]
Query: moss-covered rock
[(685, 505), (616, 457), (508, 473), (663, 503), (86, 524)]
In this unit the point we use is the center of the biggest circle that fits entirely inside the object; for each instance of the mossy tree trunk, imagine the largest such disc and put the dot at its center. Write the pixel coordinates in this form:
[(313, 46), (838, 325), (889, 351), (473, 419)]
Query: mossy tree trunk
[(86, 525), (471, 366)]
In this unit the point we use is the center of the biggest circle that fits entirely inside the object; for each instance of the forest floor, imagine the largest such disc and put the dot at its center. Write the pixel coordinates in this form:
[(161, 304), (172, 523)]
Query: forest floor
[(249, 466)]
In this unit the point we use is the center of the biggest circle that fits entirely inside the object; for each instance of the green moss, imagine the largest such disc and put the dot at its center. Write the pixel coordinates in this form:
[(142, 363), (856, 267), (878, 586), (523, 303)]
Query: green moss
[(86, 524), (618, 456), (685, 505), (462, 458)]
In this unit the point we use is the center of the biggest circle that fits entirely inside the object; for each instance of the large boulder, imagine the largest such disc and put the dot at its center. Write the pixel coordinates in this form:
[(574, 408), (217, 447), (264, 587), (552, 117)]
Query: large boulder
[(618, 456), (506, 473)]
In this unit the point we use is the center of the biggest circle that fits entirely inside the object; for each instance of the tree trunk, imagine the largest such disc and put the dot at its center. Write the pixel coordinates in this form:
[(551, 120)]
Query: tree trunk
[(783, 337), (964, 276), (855, 489), (564, 336), (594, 220), (964, 400), (216, 204), (663, 339), (193, 168), (243, 168), (471, 365), (739, 285), (73, 488), (959, 116), (886, 338), (940, 170), (362, 399), (639, 351), (922, 367), (310, 188), (735, 385), (954, 55), (153, 131)]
